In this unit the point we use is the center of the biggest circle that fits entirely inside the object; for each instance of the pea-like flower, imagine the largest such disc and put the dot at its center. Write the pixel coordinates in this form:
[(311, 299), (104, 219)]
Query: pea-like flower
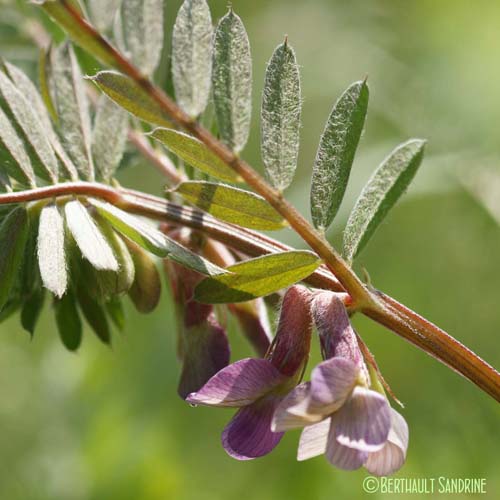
[(257, 386), (342, 417), (202, 343)]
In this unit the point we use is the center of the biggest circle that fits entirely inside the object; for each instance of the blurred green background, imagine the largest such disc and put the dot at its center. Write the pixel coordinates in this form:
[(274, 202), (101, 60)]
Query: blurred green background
[(107, 423)]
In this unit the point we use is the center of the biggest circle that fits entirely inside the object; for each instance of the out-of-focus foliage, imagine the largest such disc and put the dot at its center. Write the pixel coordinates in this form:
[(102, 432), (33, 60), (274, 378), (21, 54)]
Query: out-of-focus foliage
[(108, 424)]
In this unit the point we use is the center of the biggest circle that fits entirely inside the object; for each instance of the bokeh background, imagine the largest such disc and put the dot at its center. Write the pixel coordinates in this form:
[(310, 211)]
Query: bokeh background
[(107, 423)]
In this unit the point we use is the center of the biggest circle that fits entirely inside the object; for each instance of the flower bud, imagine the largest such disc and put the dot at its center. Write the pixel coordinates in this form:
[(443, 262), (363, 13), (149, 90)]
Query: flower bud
[(145, 291), (290, 349), (202, 343), (337, 337), (205, 351)]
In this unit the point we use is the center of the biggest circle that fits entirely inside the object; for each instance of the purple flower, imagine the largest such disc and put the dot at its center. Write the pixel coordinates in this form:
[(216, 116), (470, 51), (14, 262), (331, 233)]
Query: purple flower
[(342, 417), (202, 343), (257, 386), (204, 349)]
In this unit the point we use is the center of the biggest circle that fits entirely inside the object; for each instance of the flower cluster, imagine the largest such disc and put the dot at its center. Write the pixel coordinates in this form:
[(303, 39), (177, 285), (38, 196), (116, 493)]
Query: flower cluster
[(339, 410)]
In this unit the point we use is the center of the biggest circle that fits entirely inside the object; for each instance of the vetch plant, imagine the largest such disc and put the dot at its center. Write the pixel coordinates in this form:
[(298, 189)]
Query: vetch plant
[(68, 227)]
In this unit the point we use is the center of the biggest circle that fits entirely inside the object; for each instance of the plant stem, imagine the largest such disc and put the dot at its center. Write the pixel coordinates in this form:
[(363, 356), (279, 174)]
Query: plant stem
[(436, 342), (161, 162)]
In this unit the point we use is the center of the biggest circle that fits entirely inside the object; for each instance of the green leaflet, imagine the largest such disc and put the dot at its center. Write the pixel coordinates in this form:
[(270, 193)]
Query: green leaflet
[(29, 285), (129, 95), (134, 228), (146, 290), (31, 310), (14, 231), (192, 56), (109, 137), (116, 312), (72, 107), (195, 153), (15, 159), (280, 117), (44, 75), (51, 250), (336, 153), (232, 81), (142, 24), (30, 92), (124, 278), (95, 315), (257, 277), (232, 204), (382, 191), (60, 12), (88, 237), (102, 12), (153, 240), (29, 275), (30, 127), (106, 284), (69, 324)]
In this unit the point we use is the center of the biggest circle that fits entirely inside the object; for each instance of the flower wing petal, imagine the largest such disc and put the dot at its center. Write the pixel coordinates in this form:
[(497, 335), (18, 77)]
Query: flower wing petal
[(313, 440), (238, 384), (331, 383), (292, 411), (342, 456), (248, 435), (393, 455), (364, 421)]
